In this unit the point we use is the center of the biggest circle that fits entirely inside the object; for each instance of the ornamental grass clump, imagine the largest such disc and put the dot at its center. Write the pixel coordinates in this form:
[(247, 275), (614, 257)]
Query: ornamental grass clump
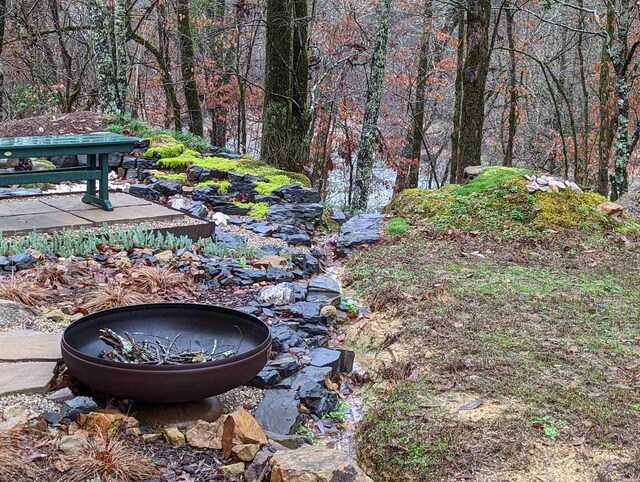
[(109, 459)]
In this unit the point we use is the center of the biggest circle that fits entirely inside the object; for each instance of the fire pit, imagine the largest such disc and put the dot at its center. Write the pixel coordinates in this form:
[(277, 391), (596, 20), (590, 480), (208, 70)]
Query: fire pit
[(189, 327)]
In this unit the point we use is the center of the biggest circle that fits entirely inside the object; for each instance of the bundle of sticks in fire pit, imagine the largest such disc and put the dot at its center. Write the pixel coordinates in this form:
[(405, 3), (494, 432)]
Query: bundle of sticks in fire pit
[(160, 351)]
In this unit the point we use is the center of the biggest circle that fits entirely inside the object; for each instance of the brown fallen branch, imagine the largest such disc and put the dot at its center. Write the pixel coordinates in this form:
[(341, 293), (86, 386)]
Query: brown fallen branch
[(159, 351)]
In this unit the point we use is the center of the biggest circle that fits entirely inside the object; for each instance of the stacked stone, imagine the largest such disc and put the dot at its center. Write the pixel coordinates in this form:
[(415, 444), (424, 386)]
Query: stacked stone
[(548, 183)]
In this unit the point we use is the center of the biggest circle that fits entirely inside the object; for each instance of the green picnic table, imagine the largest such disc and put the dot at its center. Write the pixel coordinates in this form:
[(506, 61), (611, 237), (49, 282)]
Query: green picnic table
[(96, 147)]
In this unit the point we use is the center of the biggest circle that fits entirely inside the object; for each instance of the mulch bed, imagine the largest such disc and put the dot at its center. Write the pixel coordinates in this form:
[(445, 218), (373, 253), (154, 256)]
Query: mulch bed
[(54, 125)]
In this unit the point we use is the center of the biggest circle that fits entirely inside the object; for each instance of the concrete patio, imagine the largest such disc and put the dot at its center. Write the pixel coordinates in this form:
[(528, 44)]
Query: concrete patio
[(20, 216)]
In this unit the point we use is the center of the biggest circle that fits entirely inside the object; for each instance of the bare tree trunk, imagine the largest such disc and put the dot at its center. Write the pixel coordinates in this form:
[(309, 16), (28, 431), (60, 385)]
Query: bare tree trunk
[(513, 92), (605, 136), (476, 66), (364, 159), (187, 63), (581, 173), (3, 15), (277, 96), (162, 59), (407, 175), (217, 50), (300, 118), (455, 135), (109, 30)]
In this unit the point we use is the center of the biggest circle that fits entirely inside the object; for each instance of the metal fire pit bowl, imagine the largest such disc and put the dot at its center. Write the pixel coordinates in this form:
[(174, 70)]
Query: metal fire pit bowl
[(198, 326)]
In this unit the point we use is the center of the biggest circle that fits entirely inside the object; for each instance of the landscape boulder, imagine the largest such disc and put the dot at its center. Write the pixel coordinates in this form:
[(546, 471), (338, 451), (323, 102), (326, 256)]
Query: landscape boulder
[(295, 193), (360, 229), (317, 464), (206, 435), (241, 428)]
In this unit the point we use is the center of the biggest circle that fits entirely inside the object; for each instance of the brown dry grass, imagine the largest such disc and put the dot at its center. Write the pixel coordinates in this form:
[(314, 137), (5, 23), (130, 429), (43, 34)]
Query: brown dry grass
[(30, 293), (153, 280), (115, 294), (14, 464), (110, 460)]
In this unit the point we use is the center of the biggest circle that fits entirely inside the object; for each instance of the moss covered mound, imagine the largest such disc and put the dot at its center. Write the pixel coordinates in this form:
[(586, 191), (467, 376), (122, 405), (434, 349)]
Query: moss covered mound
[(497, 201)]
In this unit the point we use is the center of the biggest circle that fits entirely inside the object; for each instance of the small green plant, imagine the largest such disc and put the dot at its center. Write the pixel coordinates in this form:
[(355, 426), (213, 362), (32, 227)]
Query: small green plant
[(550, 426), (517, 215), (242, 252), (340, 413), (67, 242), (397, 226)]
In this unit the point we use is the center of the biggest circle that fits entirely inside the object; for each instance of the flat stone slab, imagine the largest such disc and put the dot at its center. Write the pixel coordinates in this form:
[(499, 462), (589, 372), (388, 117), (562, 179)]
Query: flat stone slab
[(25, 377), (17, 225), (29, 345), (118, 200), (147, 212), (24, 207)]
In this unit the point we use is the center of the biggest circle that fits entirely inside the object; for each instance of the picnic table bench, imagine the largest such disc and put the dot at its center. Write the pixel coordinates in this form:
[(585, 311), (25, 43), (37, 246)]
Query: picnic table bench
[(96, 147)]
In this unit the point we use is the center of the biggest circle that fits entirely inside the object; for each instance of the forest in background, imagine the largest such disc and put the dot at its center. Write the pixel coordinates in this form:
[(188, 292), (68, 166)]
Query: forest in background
[(425, 88)]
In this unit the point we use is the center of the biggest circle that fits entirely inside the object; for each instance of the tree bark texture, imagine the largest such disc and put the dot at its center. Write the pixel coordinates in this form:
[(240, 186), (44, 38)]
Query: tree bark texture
[(407, 176), (365, 156), (110, 36), (476, 67), (187, 63)]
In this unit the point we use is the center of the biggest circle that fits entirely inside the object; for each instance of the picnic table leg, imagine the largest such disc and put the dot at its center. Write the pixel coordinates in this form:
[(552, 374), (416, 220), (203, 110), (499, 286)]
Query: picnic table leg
[(102, 200), (91, 183)]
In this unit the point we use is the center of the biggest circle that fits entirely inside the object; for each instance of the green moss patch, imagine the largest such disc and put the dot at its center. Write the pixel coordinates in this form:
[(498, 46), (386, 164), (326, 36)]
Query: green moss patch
[(256, 210), (223, 186), (173, 176), (497, 202)]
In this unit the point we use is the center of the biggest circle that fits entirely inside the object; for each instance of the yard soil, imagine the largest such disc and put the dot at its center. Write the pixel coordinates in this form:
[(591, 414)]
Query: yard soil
[(54, 125), (491, 361)]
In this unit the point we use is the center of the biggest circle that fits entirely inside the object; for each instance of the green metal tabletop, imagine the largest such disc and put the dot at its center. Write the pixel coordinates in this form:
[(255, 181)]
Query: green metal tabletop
[(46, 146)]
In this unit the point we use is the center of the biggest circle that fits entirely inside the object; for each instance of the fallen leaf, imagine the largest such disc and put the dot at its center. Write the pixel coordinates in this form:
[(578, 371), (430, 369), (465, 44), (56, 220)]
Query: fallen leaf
[(472, 405)]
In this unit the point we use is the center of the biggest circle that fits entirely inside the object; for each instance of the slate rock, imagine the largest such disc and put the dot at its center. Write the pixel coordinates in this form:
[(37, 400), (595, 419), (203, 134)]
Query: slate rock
[(283, 338), (308, 311), (324, 290), (325, 357), (22, 260), (261, 228), (279, 412), (265, 198), (300, 239), (286, 365), (209, 194), (52, 417), (360, 229), (129, 162), (64, 161), (144, 191), (266, 378), (317, 398), (295, 193), (279, 275), (230, 240), (338, 216), (310, 374), (231, 209), (74, 407), (228, 155), (6, 192), (296, 214), (197, 209), (167, 188)]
